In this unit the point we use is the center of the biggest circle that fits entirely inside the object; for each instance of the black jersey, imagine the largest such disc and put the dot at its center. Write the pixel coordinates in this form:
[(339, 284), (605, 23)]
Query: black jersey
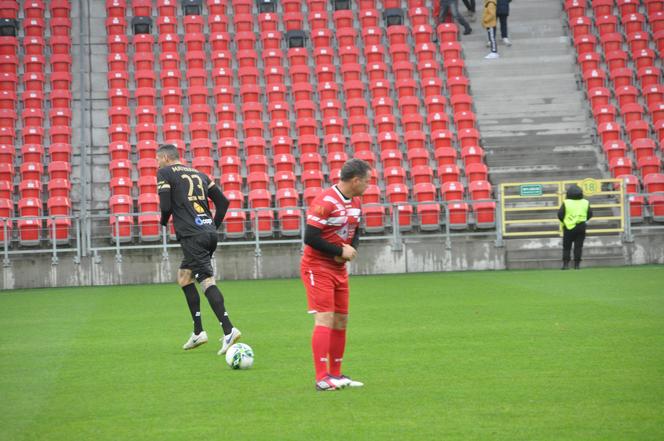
[(189, 198)]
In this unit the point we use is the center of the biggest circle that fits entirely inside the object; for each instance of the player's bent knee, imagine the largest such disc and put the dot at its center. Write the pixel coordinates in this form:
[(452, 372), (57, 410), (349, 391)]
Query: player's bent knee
[(324, 319), (340, 321), (184, 277), (208, 282)]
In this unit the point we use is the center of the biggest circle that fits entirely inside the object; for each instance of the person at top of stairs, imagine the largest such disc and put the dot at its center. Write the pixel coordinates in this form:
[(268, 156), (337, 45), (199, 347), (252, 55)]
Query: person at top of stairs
[(452, 7)]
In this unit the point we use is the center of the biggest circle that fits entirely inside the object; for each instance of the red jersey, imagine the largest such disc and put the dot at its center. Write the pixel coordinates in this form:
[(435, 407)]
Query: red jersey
[(338, 218)]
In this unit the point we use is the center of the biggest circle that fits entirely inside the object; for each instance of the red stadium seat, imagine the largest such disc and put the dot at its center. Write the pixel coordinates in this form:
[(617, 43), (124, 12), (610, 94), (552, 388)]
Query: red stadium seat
[(168, 60), (604, 114), (637, 130), (452, 191), (472, 155), (230, 181), (312, 178), (477, 172), (649, 165), (121, 186), (643, 148), (204, 164), (284, 179), (147, 184), (32, 153), (28, 188), (29, 229), (620, 166), (394, 175), (614, 149), (62, 187), (622, 77)]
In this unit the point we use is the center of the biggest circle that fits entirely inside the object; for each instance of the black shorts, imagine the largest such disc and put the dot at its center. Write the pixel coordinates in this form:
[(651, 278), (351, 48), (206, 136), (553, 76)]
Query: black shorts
[(198, 251)]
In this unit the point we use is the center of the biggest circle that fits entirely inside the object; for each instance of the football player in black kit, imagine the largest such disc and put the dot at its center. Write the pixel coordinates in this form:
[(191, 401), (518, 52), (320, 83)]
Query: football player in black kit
[(184, 193)]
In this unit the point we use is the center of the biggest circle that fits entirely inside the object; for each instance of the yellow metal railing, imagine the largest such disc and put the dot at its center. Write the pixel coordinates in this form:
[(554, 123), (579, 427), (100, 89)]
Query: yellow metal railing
[(523, 206)]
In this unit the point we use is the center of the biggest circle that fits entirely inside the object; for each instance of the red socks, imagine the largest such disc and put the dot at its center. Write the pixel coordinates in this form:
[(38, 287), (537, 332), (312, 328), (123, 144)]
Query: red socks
[(326, 341), (320, 345), (337, 347)]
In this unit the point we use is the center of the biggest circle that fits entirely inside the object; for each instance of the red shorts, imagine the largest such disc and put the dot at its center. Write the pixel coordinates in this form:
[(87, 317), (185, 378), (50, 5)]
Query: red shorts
[(327, 291)]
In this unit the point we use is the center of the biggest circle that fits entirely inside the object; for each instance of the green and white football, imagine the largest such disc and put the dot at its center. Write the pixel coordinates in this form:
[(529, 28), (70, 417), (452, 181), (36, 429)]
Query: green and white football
[(240, 356)]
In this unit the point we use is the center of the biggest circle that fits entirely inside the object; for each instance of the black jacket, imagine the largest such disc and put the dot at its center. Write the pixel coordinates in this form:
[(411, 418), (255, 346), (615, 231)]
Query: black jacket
[(503, 7)]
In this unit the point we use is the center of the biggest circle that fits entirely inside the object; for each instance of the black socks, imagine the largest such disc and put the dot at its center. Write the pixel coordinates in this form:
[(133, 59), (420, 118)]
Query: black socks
[(194, 302), (217, 303)]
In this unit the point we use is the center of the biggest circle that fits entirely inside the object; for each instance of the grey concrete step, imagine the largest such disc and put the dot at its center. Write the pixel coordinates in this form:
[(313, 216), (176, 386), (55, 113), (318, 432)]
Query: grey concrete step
[(541, 173), (546, 46), (547, 253), (516, 66), (560, 82)]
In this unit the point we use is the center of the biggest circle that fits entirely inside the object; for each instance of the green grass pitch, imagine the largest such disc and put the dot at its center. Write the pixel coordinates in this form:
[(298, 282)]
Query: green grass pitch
[(518, 355)]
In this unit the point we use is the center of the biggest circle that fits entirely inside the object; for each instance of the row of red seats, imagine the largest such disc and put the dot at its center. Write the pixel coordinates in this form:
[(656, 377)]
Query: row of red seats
[(30, 227), (289, 217), (35, 9)]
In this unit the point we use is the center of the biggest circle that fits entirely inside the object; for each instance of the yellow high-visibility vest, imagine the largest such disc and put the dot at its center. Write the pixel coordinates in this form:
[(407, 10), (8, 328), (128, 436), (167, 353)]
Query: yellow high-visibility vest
[(576, 211)]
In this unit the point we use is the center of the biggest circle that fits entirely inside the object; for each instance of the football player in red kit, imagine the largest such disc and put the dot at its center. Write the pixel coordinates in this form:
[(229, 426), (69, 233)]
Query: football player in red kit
[(331, 239)]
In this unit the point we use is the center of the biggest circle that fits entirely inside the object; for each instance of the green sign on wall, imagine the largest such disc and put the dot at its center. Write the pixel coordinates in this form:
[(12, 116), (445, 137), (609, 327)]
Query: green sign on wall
[(530, 190)]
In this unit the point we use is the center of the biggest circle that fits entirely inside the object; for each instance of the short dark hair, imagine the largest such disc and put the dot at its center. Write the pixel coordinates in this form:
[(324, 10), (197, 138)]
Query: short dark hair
[(354, 168), (170, 151)]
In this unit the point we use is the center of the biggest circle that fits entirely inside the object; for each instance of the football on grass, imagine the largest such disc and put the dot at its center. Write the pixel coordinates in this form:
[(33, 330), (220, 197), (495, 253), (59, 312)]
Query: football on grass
[(240, 356)]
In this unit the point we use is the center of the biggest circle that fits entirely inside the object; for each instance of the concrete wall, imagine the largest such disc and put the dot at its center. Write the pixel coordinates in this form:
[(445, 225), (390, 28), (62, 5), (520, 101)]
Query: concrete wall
[(282, 261)]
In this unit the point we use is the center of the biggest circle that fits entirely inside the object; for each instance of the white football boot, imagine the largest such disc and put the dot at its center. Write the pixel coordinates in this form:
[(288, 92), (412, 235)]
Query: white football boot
[(228, 340), (327, 384), (195, 341), (344, 381)]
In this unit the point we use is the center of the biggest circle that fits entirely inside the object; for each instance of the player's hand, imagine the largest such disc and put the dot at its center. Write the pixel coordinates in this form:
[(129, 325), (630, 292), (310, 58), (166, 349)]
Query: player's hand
[(348, 253)]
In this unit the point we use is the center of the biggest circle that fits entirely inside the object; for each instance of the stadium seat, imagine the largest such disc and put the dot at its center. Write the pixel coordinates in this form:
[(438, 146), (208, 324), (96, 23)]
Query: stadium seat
[(147, 184), (649, 165), (636, 204), (203, 164), (32, 153), (421, 174), (477, 171), (620, 166), (609, 131), (654, 183), (28, 226), (458, 215), (27, 188), (31, 170), (468, 137), (604, 114), (616, 59), (122, 186), (261, 217), (637, 130), (632, 112), (614, 149)]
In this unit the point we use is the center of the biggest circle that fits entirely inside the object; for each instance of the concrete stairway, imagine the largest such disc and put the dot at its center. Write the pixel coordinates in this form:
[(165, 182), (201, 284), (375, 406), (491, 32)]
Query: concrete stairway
[(532, 117), (547, 253)]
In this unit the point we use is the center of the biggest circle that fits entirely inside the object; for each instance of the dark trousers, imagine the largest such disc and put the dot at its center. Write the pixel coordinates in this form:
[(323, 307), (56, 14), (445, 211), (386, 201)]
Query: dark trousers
[(574, 236), (452, 6), (503, 26), (470, 5)]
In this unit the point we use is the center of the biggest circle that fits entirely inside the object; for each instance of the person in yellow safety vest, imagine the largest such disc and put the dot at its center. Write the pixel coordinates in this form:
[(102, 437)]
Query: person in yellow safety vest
[(573, 213)]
